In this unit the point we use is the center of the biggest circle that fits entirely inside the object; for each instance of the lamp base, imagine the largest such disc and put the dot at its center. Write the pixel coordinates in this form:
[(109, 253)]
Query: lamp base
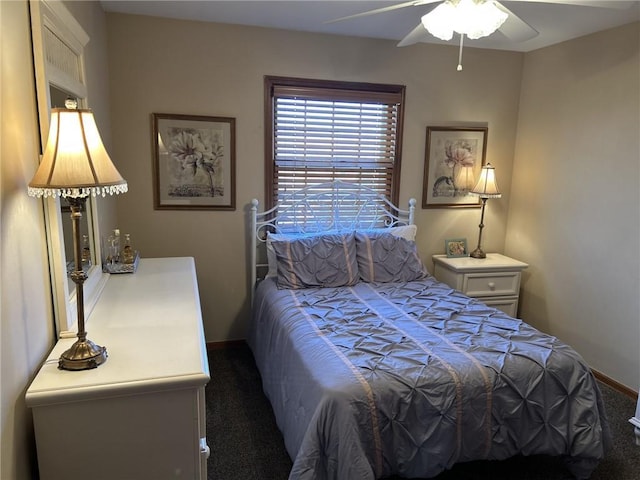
[(83, 355), (478, 253)]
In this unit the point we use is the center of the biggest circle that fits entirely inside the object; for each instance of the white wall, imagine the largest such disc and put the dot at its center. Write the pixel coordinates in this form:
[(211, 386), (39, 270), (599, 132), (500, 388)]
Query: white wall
[(170, 66), (26, 318), (26, 324), (575, 206)]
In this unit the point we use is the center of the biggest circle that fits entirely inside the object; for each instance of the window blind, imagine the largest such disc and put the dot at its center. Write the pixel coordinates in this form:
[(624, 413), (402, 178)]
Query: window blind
[(331, 130)]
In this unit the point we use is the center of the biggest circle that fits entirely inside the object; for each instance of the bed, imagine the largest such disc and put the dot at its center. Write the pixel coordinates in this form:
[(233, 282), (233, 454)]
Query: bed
[(374, 368)]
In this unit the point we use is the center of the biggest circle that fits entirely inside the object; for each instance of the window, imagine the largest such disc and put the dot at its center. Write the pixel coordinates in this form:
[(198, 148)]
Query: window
[(317, 131)]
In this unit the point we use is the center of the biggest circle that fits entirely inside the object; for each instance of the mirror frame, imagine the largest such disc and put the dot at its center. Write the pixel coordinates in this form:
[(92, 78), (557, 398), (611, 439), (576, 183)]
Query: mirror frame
[(58, 56)]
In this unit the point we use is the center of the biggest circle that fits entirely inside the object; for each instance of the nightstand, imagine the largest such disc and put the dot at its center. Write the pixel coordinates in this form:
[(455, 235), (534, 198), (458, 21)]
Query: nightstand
[(494, 280)]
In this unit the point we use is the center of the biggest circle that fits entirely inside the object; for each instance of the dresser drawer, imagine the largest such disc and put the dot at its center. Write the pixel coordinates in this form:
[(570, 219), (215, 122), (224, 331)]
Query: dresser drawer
[(491, 284)]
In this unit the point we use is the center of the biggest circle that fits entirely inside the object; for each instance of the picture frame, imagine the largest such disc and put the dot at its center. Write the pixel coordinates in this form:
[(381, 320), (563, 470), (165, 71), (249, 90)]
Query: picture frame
[(456, 247), (194, 162), (454, 157)]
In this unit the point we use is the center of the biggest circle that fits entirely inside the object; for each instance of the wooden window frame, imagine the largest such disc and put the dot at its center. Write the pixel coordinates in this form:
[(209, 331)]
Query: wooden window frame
[(323, 89)]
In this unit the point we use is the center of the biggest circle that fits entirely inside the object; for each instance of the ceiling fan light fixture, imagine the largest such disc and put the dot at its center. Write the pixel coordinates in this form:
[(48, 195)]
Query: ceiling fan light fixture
[(441, 20), (489, 18), (473, 18)]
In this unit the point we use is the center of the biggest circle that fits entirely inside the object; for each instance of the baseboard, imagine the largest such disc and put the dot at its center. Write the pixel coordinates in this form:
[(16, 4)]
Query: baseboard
[(226, 344), (615, 385)]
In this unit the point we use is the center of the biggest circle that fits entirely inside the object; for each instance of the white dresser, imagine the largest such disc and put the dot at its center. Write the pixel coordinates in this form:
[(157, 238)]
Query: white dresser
[(636, 422), (141, 415), (494, 280)]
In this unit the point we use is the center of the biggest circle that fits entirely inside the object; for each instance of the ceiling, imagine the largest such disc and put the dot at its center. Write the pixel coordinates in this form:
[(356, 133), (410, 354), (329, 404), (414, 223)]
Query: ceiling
[(554, 22)]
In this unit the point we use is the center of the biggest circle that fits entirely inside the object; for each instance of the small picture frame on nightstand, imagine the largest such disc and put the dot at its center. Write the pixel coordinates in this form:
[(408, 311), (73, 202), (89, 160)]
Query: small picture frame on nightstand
[(456, 247)]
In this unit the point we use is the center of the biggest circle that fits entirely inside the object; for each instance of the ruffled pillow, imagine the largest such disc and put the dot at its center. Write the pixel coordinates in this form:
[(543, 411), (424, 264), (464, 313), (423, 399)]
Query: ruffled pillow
[(327, 260), (385, 257)]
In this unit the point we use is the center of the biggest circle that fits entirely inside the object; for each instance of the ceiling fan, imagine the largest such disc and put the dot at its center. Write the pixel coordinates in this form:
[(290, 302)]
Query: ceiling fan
[(473, 18)]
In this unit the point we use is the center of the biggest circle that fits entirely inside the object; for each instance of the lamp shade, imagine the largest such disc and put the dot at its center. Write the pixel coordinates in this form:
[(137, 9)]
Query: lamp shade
[(473, 18), (487, 187), (75, 162)]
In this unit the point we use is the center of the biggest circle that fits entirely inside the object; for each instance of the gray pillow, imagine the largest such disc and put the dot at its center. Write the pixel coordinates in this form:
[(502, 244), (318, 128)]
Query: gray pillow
[(384, 257), (318, 261)]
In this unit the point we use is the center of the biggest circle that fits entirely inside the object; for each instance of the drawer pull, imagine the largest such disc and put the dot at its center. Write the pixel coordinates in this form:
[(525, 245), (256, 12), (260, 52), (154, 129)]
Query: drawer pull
[(492, 285), (204, 448)]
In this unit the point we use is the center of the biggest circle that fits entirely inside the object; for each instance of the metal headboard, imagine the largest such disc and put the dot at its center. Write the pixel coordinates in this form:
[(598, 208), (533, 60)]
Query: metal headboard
[(331, 206)]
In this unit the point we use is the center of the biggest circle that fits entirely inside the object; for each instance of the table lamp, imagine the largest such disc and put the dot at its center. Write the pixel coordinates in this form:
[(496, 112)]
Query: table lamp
[(75, 165), (485, 188)]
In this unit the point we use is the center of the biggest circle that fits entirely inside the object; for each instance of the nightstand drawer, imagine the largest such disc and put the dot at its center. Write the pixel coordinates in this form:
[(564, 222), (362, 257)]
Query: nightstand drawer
[(491, 284), (508, 305)]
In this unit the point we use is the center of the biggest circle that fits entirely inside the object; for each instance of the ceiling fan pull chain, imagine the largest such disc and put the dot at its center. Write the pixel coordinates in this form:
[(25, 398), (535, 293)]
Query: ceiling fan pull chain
[(460, 53)]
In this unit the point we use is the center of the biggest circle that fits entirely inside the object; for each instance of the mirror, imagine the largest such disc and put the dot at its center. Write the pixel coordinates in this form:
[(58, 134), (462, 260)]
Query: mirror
[(58, 54)]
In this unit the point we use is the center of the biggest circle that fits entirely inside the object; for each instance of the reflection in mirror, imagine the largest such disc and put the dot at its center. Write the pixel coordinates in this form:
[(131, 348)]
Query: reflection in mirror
[(58, 96)]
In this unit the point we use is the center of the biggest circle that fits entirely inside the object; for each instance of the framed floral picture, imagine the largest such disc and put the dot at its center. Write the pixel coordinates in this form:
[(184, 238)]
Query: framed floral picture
[(195, 161), (453, 160), (456, 247)]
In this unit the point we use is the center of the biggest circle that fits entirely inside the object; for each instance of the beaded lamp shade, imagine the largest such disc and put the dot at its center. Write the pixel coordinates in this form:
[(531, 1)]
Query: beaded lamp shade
[(75, 162)]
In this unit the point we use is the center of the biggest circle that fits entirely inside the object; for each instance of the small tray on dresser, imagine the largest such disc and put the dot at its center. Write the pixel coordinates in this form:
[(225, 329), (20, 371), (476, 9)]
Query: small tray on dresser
[(122, 267)]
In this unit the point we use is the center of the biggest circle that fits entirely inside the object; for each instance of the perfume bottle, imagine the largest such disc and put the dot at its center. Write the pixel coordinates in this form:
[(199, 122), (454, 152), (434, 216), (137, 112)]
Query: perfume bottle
[(128, 253), (116, 246), (112, 250), (86, 252)]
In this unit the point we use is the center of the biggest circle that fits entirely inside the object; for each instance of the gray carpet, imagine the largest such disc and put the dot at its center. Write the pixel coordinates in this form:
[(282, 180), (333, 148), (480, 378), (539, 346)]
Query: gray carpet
[(247, 445)]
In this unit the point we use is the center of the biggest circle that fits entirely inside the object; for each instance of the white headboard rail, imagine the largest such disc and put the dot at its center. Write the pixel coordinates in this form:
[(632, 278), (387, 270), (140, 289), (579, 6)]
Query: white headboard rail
[(331, 206)]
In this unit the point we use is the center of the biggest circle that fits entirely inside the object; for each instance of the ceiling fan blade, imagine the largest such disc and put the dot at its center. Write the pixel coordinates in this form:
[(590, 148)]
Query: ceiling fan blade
[(514, 28), (614, 4), (416, 35), (390, 8)]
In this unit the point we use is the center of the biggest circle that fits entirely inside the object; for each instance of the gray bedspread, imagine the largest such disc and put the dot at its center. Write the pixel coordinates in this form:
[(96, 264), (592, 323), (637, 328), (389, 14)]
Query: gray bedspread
[(409, 379)]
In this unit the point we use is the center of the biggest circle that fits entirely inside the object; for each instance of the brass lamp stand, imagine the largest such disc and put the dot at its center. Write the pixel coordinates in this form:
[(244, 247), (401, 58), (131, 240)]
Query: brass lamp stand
[(83, 354), (487, 187), (478, 252)]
